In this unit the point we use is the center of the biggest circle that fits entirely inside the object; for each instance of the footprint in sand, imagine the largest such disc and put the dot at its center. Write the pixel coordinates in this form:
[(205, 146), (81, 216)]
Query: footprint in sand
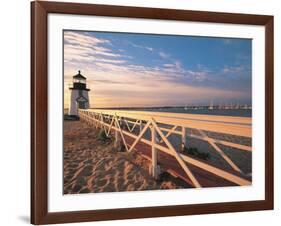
[(85, 190), (76, 188), (108, 188), (87, 171), (100, 183), (81, 181)]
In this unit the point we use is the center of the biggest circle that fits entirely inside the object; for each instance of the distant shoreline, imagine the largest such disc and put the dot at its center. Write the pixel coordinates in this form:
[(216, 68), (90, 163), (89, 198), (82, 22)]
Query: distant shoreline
[(166, 107), (188, 110)]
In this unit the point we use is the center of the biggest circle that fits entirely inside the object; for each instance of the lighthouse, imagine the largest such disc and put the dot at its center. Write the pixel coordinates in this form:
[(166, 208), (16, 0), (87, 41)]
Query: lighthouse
[(79, 96)]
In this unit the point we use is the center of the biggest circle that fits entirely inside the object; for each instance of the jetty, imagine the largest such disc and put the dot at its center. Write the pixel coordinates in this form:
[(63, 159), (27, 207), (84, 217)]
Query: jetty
[(147, 133)]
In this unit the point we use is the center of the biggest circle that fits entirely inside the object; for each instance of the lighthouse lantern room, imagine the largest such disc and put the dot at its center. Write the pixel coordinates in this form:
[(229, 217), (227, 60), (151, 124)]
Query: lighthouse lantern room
[(79, 96)]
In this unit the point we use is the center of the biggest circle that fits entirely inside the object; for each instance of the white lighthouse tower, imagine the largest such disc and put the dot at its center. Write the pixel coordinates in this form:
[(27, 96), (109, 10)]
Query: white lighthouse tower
[(79, 97)]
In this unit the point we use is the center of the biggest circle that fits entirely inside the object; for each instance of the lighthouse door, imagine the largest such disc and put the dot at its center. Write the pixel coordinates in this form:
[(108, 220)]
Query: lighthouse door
[(82, 104)]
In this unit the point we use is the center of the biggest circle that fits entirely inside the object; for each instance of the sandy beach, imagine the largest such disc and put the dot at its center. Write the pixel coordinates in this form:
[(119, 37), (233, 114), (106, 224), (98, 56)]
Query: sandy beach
[(91, 165)]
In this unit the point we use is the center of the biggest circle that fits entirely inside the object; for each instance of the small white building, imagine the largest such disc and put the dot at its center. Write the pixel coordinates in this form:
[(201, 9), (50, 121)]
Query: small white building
[(79, 97)]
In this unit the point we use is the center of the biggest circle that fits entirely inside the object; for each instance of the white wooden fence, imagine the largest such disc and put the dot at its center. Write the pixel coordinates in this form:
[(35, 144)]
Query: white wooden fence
[(157, 122)]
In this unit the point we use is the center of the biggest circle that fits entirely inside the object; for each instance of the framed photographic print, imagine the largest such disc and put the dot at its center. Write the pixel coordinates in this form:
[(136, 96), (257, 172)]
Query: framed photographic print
[(145, 112)]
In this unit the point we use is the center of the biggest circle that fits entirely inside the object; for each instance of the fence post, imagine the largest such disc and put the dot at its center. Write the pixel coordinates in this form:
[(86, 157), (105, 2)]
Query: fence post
[(154, 168), (140, 126), (96, 123), (101, 120), (117, 141), (92, 121), (183, 138)]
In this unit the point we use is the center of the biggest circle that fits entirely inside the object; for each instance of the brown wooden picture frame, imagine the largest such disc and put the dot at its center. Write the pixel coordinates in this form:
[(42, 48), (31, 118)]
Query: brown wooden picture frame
[(39, 112)]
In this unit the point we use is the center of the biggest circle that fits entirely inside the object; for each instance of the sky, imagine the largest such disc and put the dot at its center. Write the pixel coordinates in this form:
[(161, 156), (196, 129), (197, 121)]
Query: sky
[(149, 70)]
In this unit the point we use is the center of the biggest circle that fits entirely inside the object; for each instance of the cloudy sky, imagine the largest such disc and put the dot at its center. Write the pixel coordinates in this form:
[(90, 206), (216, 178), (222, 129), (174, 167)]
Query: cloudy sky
[(137, 70)]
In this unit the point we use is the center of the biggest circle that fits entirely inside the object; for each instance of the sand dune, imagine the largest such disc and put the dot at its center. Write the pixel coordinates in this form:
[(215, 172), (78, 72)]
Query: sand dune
[(91, 165)]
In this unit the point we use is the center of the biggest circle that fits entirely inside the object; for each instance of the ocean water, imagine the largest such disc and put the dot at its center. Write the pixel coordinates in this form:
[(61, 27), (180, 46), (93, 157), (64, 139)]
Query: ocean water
[(226, 112)]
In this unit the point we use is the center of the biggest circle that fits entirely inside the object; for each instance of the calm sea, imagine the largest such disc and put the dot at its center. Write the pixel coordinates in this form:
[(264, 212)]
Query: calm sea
[(227, 112)]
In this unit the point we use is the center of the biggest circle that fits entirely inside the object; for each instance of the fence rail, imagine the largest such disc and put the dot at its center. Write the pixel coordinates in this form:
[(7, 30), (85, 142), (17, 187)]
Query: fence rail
[(134, 124)]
